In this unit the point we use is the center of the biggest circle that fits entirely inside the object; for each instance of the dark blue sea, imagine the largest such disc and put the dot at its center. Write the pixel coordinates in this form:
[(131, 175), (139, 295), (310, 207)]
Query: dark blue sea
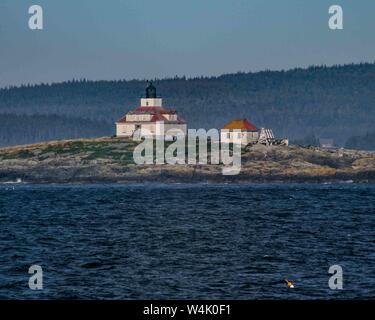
[(187, 241)]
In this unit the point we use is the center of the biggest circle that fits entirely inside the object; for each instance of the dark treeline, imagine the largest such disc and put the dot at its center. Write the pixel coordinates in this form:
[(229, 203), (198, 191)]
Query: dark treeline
[(327, 102), (309, 140), (23, 129), (364, 142)]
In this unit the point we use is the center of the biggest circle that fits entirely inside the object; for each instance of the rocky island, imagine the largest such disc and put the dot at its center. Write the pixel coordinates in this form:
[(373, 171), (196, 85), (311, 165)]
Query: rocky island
[(110, 160)]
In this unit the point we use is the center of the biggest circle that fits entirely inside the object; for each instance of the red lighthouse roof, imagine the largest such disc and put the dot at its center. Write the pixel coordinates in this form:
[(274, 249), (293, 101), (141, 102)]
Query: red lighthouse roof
[(157, 114)]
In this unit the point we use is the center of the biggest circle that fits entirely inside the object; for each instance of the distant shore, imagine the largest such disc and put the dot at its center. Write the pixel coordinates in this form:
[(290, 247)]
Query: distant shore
[(110, 160)]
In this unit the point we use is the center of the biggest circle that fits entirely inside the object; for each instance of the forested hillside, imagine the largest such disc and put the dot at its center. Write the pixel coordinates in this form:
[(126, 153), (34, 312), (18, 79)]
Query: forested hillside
[(364, 142), (328, 102), (23, 129)]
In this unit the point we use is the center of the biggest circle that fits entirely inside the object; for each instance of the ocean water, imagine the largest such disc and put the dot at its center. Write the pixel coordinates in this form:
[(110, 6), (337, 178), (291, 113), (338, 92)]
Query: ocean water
[(187, 241)]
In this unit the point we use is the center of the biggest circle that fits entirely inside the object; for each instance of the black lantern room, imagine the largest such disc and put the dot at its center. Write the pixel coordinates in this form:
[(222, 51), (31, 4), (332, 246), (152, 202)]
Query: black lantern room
[(150, 91)]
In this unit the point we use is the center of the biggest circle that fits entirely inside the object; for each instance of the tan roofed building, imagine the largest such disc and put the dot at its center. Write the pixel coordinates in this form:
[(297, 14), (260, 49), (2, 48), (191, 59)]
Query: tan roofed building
[(248, 132)]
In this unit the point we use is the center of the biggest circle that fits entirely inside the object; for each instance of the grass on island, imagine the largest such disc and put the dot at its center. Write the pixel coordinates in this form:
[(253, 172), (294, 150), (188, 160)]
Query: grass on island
[(118, 150)]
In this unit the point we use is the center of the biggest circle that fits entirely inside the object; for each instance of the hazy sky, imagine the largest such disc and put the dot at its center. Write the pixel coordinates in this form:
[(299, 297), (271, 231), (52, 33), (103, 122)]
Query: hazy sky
[(116, 39)]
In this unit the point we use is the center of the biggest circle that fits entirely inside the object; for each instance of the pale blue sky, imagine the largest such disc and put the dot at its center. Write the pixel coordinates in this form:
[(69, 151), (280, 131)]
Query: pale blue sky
[(126, 39)]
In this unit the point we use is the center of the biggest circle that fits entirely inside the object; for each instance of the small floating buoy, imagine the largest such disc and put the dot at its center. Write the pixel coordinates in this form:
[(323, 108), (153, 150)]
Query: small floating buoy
[(289, 283)]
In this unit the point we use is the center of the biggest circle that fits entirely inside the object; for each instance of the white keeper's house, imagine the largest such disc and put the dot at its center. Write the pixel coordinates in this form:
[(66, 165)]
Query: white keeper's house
[(148, 116)]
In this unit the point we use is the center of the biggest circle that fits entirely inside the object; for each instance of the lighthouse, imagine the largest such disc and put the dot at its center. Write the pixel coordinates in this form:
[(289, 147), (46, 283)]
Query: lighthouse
[(150, 113)]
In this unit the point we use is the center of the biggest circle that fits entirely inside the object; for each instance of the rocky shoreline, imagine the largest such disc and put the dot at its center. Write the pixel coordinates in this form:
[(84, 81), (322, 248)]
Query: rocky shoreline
[(109, 160)]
